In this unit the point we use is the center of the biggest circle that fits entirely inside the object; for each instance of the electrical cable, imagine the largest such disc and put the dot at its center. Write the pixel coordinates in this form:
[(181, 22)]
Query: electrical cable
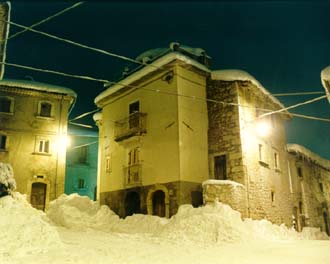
[(43, 21)]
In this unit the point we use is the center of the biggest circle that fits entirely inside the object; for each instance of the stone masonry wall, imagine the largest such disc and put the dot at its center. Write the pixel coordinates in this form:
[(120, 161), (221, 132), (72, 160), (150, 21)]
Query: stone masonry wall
[(227, 192)]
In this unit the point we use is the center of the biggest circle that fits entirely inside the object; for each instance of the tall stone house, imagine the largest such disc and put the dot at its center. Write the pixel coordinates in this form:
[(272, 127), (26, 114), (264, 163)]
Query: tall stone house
[(81, 162), (33, 130), (173, 123)]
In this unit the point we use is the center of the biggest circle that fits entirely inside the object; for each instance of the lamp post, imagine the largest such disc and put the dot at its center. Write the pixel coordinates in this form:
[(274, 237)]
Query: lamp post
[(325, 79)]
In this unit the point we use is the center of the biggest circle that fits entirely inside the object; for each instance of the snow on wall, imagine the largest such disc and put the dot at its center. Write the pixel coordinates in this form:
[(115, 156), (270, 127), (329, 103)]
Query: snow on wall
[(295, 148), (239, 75), (7, 176), (24, 229)]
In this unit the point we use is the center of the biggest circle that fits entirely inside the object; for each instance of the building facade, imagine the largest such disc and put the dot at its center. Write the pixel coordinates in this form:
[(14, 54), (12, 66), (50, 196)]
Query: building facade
[(81, 162), (309, 177), (33, 130), (175, 132)]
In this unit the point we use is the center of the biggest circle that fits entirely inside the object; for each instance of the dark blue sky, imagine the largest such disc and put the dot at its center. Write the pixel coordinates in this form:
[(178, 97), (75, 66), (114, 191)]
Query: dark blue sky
[(283, 44)]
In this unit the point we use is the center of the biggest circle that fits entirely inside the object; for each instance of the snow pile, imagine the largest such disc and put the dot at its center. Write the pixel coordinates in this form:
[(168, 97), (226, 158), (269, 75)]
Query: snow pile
[(209, 224), (23, 229), (7, 176), (79, 212), (213, 223)]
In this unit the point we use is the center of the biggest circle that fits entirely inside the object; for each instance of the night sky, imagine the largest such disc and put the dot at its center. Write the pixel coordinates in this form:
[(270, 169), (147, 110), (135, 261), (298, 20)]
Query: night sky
[(283, 44)]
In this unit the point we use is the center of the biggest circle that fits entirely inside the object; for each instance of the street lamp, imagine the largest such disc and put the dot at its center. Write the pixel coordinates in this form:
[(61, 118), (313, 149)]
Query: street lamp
[(325, 78)]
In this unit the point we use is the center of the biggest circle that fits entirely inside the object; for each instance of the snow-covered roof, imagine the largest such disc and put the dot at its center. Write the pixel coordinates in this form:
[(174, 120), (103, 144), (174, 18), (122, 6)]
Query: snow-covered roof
[(153, 54), (239, 75), (325, 78), (38, 86), (295, 148), (152, 67)]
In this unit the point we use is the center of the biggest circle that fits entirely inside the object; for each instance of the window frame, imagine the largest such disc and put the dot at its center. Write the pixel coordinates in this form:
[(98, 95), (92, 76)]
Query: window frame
[(3, 146), (41, 146), (11, 106), (39, 110)]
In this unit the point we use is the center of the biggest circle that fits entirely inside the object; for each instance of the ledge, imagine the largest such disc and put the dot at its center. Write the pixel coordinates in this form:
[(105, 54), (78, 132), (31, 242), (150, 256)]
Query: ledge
[(264, 164)]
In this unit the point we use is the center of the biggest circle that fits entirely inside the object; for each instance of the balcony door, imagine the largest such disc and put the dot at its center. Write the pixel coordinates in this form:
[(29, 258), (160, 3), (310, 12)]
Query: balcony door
[(134, 120)]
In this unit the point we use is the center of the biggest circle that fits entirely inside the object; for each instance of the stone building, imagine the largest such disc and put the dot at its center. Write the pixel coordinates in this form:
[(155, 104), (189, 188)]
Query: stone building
[(81, 162), (247, 147), (309, 177), (33, 130), (173, 131)]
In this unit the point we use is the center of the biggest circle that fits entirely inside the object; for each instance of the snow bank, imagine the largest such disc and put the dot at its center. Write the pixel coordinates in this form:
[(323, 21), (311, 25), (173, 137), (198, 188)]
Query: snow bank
[(7, 176), (79, 212), (213, 223), (23, 229)]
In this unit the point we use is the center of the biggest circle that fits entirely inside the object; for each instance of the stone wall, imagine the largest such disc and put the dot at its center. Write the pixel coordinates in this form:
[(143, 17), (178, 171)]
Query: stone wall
[(228, 192)]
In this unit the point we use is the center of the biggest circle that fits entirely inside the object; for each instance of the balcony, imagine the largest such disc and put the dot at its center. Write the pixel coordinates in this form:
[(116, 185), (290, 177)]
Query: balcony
[(133, 175), (134, 125)]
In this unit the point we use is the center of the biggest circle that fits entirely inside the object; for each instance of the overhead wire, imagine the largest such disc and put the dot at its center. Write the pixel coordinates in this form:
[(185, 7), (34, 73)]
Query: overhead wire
[(297, 93), (44, 20), (293, 106), (138, 62)]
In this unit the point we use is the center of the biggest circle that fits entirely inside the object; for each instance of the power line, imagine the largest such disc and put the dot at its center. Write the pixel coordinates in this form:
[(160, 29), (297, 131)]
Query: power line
[(44, 20), (75, 43), (293, 106), (84, 145), (56, 72), (298, 93), (311, 117), (85, 114), (82, 125)]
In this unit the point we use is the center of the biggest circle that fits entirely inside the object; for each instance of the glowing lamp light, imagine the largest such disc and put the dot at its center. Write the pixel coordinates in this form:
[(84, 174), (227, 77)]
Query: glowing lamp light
[(63, 142), (263, 129)]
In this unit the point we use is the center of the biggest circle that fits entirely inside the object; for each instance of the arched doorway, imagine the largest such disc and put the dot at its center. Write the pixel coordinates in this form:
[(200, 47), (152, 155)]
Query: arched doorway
[(38, 195), (158, 203), (132, 204)]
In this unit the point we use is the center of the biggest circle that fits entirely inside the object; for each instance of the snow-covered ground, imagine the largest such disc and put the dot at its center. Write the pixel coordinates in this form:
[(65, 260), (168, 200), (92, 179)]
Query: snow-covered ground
[(77, 230)]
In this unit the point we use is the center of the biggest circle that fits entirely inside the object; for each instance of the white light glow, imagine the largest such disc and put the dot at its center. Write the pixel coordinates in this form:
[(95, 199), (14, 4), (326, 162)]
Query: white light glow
[(263, 128)]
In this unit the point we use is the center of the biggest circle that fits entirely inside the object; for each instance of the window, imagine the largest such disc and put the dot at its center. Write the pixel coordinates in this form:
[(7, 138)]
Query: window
[(108, 164), (134, 117), (299, 172), (44, 146), (45, 109), (301, 207), (321, 186), (81, 183), (3, 141), (272, 195), (261, 154), (6, 104), (133, 157), (276, 160), (82, 154), (220, 167)]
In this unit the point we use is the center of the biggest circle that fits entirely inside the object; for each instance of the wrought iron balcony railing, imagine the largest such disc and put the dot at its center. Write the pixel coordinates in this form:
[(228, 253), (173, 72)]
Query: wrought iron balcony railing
[(134, 125), (133, 175)]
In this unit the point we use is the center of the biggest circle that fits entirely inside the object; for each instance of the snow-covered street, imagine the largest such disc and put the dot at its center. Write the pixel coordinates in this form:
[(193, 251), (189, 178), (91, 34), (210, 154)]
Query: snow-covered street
[(77, 230)]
